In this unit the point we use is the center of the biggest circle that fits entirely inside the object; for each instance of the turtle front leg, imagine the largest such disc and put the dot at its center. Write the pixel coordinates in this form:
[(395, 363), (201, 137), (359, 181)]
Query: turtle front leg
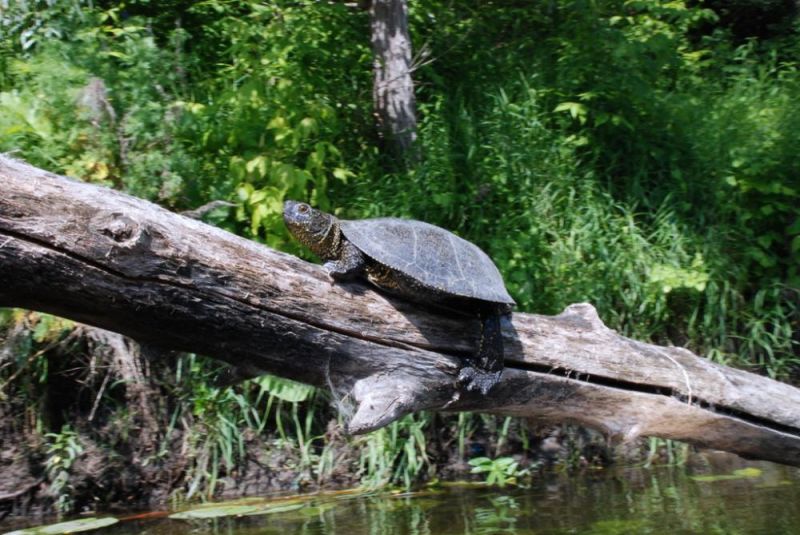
[(483, 370), (349, 265)]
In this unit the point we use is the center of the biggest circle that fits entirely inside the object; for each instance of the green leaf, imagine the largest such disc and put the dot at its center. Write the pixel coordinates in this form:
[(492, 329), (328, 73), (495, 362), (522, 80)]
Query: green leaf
[(257, 196), (259, 163), (244, 192), (764, 259), (278, 123), (214, 512), (742, 473), (284, 389), (796, 244), (575, 109), (116, 54), (73, 526), (272, 509), (308, 126), (342, 174), (282, 134), (259, 213)]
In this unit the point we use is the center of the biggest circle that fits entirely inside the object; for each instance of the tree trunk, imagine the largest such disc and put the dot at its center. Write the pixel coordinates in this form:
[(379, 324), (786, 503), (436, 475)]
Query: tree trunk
[(128, 363), (393, 88), (107, 259)]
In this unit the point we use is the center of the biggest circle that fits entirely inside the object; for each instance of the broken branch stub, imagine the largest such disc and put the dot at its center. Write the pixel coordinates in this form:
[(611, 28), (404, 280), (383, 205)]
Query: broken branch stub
[(104, 258)]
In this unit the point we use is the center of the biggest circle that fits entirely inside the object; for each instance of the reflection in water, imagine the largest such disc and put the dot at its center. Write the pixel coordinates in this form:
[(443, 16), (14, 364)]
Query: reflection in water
[(766, 500)]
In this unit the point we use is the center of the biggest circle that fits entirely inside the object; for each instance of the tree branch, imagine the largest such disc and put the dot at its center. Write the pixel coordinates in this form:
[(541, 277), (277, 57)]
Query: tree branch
[(104, 258)]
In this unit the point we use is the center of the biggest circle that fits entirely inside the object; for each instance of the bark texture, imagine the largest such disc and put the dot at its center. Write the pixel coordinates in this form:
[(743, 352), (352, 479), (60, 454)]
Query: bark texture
[(107, 259), (393, 88)]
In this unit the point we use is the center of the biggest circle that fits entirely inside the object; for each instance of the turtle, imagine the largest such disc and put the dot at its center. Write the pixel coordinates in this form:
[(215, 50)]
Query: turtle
[(419, 262)]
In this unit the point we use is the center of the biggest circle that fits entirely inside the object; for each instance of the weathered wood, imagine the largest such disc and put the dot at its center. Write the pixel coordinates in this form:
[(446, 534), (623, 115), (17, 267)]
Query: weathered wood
[(107, 259)]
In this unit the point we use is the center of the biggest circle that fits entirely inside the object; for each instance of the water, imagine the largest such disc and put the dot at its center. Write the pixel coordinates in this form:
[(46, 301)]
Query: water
[(765, 498)]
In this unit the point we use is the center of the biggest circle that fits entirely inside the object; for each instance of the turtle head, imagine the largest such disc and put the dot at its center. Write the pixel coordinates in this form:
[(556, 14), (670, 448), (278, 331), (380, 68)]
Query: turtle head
[(313, 228)]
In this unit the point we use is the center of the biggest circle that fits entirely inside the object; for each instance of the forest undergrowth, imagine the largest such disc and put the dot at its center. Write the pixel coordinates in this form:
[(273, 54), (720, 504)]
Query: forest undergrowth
[(638, 155)]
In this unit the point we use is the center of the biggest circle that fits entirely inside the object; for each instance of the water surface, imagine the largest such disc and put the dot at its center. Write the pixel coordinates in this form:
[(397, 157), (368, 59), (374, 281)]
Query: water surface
[(765, 498)]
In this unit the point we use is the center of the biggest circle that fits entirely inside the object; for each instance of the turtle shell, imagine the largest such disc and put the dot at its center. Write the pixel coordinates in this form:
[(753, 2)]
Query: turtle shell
[(429, 254)]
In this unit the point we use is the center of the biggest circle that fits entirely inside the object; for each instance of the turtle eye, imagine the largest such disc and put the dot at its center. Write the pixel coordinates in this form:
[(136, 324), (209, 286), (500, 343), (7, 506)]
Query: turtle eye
[(303, 208)]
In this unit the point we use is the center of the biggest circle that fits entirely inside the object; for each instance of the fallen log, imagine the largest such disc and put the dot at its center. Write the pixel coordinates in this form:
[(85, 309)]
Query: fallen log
[(110, 260)]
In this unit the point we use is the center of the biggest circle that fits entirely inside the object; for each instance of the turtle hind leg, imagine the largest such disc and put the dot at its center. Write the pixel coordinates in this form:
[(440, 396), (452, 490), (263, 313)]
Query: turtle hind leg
[(483, 370)]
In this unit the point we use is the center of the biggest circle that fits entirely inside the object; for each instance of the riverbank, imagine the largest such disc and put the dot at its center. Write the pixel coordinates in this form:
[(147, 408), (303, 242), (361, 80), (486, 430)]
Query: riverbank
[(73, 473)]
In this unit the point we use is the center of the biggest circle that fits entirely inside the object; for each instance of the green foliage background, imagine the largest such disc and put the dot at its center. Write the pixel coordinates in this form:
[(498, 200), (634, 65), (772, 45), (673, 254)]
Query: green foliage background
[(637, 154)]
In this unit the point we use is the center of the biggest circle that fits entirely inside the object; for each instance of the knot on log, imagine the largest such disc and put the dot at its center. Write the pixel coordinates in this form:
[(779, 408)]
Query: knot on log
[(119, 227)]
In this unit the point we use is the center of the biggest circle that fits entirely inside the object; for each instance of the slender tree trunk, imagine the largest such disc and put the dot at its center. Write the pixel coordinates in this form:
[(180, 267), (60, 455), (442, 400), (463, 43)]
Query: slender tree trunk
[(393, 89), (129, 364)]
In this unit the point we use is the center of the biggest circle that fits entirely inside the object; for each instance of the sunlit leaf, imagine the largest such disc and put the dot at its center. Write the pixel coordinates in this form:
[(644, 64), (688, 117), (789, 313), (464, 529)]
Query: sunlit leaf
[(73, 526), (273, 509), (214, 512), (742, 473), (284, 388), (576, 110)]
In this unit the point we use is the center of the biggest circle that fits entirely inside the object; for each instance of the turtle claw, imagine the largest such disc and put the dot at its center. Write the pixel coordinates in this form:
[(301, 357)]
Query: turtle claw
[(475, 380), (349, 266), (334, 271)]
